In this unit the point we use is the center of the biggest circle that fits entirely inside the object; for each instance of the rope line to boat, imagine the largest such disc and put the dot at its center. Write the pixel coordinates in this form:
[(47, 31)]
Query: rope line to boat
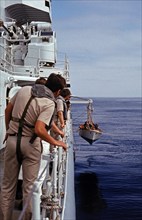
[(79, 116)]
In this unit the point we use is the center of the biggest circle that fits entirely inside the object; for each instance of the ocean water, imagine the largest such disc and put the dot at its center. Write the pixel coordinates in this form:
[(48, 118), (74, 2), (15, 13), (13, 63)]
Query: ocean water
[(108, 174)]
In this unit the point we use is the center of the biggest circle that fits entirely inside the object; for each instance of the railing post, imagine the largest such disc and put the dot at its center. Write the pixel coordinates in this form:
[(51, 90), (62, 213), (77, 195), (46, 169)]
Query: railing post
[(60, 174), (55, 165), (55, 161), (36, 201)]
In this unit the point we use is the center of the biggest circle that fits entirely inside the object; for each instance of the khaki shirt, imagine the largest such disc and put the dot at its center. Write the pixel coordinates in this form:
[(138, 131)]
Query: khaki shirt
[(59, 107), (39, 109)]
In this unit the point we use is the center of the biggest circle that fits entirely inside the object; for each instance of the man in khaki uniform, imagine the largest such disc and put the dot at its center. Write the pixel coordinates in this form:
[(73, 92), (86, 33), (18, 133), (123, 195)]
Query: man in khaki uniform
[(39, 114), (61, 109)]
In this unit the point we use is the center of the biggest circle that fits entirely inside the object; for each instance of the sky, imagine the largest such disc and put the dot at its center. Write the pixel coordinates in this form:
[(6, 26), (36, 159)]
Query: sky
[(102, 40)]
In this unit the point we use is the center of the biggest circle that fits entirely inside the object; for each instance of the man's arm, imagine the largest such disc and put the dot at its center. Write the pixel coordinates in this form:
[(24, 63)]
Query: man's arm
[(8, 114), (57, 130), (61, 118), (41, 132)]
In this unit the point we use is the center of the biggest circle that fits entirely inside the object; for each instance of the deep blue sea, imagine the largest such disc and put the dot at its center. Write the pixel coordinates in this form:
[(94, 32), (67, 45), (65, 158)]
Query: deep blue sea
[(108, 174)]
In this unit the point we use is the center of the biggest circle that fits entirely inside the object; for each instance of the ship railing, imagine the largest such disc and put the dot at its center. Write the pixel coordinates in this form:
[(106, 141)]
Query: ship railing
[(6, 65), (60, 67), (50, 204), (63, 64), (21, 70), (14, 40)]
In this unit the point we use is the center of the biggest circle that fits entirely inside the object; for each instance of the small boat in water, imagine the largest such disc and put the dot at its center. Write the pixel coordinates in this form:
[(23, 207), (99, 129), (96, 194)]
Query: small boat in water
[(90, 131), (90, 135)]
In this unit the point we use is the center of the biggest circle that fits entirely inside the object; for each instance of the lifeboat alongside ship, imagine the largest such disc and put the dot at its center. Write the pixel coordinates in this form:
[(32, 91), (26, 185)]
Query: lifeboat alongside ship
[(90, 131), (90, 135)]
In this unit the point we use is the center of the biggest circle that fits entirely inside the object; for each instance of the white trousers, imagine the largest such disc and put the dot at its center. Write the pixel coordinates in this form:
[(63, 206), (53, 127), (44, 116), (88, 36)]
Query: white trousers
[(44, 168)]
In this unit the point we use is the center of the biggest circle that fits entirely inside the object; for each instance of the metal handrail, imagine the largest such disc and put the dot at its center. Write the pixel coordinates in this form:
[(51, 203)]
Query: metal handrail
[(55, 183)]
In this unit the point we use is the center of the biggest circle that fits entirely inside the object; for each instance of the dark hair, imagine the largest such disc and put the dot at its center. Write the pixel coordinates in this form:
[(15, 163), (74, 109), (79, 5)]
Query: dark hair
[(55, 82), (65, 92), (41, 81)]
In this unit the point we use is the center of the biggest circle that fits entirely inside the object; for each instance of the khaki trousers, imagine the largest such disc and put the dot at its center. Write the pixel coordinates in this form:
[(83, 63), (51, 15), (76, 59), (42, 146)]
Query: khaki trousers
[(30, 167)]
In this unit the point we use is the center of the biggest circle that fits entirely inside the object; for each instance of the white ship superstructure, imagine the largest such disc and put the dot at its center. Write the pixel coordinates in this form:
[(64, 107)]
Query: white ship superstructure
[(25, 11), (27, 46)]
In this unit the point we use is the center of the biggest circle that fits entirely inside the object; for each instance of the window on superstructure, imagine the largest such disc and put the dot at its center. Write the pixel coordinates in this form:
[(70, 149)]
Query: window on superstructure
[(47, 3), (45, 39)]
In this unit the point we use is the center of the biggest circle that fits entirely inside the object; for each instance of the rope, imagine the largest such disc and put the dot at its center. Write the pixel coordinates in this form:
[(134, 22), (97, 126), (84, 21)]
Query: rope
[(50, 207), (79, 116)]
